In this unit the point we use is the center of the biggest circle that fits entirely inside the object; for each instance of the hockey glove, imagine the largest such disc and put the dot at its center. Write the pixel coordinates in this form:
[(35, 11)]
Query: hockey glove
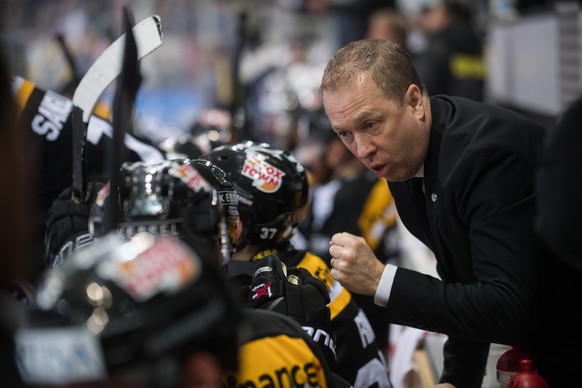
[(67, 227), (296, 293)]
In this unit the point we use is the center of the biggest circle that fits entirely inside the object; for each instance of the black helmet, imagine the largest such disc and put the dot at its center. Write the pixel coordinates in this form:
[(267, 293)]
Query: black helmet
[(139, 306), (167, 197), (272, 188)]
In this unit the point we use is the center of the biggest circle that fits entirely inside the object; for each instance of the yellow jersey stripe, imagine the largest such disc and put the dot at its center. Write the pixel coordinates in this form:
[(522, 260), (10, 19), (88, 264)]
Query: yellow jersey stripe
[(378, 214), (339, 303), (339, 296), (22, 94)]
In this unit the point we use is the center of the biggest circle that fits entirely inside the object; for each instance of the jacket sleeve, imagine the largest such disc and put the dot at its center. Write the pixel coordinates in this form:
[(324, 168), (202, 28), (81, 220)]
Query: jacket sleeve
[(488, 254), (465, 363)]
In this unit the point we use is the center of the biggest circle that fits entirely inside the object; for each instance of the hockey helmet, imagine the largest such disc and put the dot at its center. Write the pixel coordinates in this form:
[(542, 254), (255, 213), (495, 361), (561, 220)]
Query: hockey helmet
[(121, 308), (167, 197), (272, 188)]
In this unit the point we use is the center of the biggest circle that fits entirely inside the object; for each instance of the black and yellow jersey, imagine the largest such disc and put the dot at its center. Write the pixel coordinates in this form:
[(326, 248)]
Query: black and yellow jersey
[(275, 352), (47, 115), (359, 360)]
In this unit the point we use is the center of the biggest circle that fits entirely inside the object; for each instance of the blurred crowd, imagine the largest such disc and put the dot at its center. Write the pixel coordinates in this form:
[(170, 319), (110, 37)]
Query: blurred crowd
[(278, 47)]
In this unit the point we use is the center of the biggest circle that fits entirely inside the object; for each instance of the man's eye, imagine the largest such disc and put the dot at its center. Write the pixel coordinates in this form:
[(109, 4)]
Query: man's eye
[(370, 124), (343, 133)]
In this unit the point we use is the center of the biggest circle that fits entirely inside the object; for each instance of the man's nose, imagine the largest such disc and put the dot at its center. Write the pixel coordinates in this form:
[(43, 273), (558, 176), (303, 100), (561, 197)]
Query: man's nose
[(364, 147)]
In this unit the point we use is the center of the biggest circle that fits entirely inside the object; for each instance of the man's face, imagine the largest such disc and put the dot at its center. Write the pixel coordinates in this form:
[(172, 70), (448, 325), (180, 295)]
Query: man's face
[(391, 140)]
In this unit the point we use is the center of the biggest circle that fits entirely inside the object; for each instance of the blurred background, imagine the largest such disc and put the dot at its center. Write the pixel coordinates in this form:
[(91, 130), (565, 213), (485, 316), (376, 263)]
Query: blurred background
[(260, 61)]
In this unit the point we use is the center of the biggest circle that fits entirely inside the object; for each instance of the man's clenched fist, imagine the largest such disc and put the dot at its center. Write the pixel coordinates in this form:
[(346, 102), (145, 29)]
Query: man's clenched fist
[(354, 264)]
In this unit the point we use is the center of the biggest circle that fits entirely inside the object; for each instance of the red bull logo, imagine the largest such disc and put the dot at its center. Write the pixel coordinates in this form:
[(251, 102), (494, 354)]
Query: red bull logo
[(266, 177)]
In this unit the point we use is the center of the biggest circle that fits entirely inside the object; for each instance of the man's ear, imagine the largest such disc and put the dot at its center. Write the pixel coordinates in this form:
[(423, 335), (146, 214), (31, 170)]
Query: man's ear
[(413, 98)]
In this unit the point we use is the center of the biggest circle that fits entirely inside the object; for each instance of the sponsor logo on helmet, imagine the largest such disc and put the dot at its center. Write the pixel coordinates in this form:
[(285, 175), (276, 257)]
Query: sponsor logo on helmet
[(157, 228), (190, 176), (265, 176), (230, 201), (102, 195), (165, 267), (228, 197)]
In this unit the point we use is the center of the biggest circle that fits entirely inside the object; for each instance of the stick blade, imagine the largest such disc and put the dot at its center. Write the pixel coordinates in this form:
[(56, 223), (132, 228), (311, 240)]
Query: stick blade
[(148, 35)]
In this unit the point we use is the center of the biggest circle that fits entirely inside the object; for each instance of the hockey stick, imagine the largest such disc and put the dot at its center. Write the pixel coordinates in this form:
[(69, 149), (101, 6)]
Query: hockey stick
[(148, 36), (238, 114), (75, 76), (126, 89)]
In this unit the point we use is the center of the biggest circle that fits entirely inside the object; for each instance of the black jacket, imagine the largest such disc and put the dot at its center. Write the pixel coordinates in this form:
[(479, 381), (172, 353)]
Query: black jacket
[(477, 214), (559, 205)]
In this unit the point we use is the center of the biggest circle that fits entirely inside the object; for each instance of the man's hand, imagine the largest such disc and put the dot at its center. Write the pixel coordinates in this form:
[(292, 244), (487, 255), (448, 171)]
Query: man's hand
[(354, 264)]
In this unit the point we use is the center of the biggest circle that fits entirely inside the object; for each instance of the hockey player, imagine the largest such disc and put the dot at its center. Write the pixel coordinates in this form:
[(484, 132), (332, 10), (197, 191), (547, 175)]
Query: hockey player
[(150, 312), (273, 198), (195, 202), (138, 311)]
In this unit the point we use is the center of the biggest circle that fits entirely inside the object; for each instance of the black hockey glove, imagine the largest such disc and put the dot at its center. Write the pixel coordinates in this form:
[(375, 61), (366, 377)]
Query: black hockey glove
[(296, 293), (67, 226)]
